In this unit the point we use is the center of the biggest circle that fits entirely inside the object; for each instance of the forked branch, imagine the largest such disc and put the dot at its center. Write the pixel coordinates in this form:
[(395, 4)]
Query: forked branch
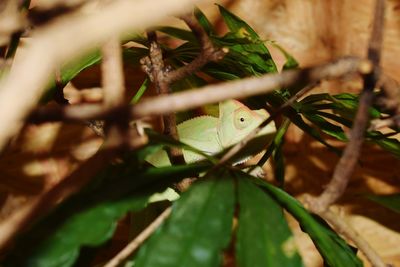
[(348, 161)]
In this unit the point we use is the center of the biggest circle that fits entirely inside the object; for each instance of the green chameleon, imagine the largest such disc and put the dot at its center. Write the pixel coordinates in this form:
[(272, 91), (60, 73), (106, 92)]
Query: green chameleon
[(212, 135)]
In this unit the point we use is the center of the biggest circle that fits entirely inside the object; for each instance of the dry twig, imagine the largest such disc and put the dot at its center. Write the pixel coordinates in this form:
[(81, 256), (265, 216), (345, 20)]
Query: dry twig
[(389, 98), (154, 66), (135, 243), (208, 52), (345, 167), (112, 74), (198, 97), (347, 163), (377, 124)]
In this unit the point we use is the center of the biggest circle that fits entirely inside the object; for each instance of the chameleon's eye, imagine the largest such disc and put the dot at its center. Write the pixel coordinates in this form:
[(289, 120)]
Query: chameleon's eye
[(242, 119)]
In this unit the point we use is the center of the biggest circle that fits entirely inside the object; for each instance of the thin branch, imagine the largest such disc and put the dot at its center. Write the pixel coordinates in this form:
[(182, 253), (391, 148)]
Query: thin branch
[(163, 87), (97, 127), (112, 82), (347, 230), (135, 243), (376, 38), (208, 52), (246, 87), (389, 98), (347, 163), (112, 73), (198, 97), (154, 66), (378, 124), (51, 46)]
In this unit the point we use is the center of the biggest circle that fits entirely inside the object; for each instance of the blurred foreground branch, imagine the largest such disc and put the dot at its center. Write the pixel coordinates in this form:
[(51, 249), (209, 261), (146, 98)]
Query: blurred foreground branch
[(51, 46), (206, 95)]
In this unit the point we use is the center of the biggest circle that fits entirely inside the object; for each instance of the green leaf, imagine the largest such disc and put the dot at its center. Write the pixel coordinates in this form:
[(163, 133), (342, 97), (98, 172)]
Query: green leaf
[(326, 127), (263, 235), (278, 156), (198, 229), (315, 98), (89, 218), (178, 33), (220, 74), (141, 91), (204, 22), (245, 47), (299, 122), (291, 62), (275, 150), (350, 101), (246, 56), (390, 144), (332, 247), (254, 59), (133, 55), (345, 106), (345, 122), (72, 69), (69, 71), (237, 25), (391, 202), (182, 54)]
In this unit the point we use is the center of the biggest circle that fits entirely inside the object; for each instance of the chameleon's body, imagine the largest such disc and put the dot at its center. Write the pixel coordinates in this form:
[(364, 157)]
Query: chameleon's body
[(212, 135)]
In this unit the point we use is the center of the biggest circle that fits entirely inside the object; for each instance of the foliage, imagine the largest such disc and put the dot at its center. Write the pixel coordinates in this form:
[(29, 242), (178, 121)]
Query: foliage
[(203, 223)]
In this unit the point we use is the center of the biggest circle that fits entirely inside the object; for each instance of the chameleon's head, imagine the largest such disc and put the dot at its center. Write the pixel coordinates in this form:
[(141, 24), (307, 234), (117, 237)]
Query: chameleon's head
[(236, 121)]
